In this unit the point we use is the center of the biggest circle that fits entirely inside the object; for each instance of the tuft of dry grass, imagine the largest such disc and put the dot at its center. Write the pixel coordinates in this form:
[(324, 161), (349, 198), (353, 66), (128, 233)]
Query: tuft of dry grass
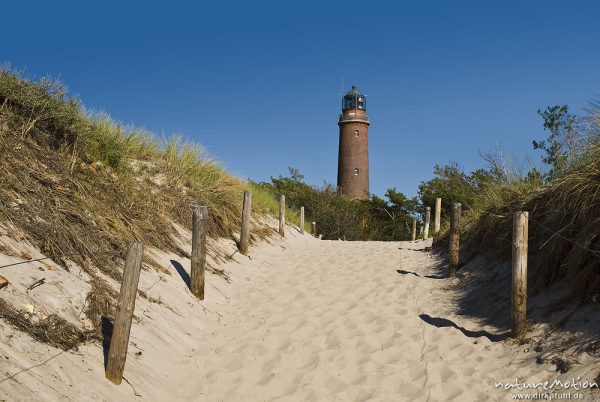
[(52, 330)]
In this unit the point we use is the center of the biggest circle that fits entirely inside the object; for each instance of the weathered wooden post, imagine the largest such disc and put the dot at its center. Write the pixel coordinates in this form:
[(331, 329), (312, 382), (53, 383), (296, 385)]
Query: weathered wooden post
[(199, 229), (438, 216), (126, 305), (246, 214), (427, 220), (414, 231), (454, 239), (314, 229), (282, 215), (518, 318), (301, 220)]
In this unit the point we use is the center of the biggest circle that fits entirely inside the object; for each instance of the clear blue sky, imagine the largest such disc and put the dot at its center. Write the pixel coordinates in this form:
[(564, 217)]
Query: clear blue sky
[(258, 83)]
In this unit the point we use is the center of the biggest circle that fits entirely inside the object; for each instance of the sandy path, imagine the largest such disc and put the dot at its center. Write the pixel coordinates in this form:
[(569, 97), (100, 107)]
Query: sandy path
[(303, 320), (336, 321)]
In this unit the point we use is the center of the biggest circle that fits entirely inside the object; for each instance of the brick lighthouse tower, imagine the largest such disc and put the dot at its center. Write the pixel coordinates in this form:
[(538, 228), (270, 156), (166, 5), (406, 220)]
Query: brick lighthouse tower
[(353, 159)]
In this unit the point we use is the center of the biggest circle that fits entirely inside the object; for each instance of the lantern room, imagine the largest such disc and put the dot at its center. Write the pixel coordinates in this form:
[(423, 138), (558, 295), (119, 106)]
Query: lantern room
[(354, 100)]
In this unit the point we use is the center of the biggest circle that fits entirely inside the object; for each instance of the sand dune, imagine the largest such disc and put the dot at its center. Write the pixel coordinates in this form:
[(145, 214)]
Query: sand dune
[(302, 320)]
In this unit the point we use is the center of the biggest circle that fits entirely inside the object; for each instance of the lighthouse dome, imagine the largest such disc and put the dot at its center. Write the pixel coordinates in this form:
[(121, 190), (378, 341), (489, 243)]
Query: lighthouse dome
[(354, 99)]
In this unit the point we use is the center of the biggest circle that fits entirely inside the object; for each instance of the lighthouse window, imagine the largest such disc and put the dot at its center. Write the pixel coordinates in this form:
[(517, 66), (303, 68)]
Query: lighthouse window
[(356, 133), (356, 172)]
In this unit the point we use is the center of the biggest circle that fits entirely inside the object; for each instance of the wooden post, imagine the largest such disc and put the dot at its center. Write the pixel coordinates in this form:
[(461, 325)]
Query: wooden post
[(199, 229), (314, 229), (414, 232), (427, 220), (301, 220), (438, 216), (518, 317), (246, 214), (282, 215), (122, 326), (454, 251)]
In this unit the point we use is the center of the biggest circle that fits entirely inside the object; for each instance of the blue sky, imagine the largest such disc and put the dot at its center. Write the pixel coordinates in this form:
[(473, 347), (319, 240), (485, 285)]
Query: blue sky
[(258, 83)]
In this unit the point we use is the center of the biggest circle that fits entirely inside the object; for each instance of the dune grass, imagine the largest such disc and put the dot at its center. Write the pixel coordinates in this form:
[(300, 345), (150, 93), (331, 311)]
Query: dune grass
[(267, 202), (80, 186), (564, 226)]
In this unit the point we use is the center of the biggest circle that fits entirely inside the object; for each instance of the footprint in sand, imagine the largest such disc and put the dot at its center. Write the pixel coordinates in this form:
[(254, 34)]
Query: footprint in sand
[(416, 372), (358, 394), (334, 384)]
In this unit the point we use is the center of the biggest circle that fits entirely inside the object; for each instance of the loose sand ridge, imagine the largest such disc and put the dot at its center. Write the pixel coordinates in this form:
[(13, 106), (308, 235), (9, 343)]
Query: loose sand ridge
[(302, 320)]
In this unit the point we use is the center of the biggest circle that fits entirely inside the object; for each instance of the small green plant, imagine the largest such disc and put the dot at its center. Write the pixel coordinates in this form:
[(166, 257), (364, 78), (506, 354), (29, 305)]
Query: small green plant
[(265, 198), (563, 142)]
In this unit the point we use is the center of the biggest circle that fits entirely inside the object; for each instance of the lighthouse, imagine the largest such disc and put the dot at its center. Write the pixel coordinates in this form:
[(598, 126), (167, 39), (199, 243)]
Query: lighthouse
[(353, 157)]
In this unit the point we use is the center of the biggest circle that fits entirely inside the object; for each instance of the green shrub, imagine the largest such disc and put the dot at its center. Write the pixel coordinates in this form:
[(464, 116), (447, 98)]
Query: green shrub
[(340, 217)]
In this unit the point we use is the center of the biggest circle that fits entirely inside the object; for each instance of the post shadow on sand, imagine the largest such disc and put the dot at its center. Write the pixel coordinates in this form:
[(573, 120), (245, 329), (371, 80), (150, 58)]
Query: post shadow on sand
[(107, 330), (403, 272), (443, 322), (182, 272)]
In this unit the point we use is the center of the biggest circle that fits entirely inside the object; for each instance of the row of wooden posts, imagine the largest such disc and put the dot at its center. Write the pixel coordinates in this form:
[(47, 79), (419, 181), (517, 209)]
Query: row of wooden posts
[(454, 238), (437, 221), (518, 321), (133, 263), (117, 353)]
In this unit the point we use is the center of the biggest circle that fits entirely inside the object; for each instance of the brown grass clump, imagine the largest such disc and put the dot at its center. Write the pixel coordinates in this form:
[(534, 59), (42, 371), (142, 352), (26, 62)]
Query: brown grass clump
[(52, 330)]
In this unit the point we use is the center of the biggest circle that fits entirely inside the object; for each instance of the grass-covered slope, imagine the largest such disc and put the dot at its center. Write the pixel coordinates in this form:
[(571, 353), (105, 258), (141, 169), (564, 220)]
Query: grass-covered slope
[(80, 186), (564, 230), (564, 224)]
